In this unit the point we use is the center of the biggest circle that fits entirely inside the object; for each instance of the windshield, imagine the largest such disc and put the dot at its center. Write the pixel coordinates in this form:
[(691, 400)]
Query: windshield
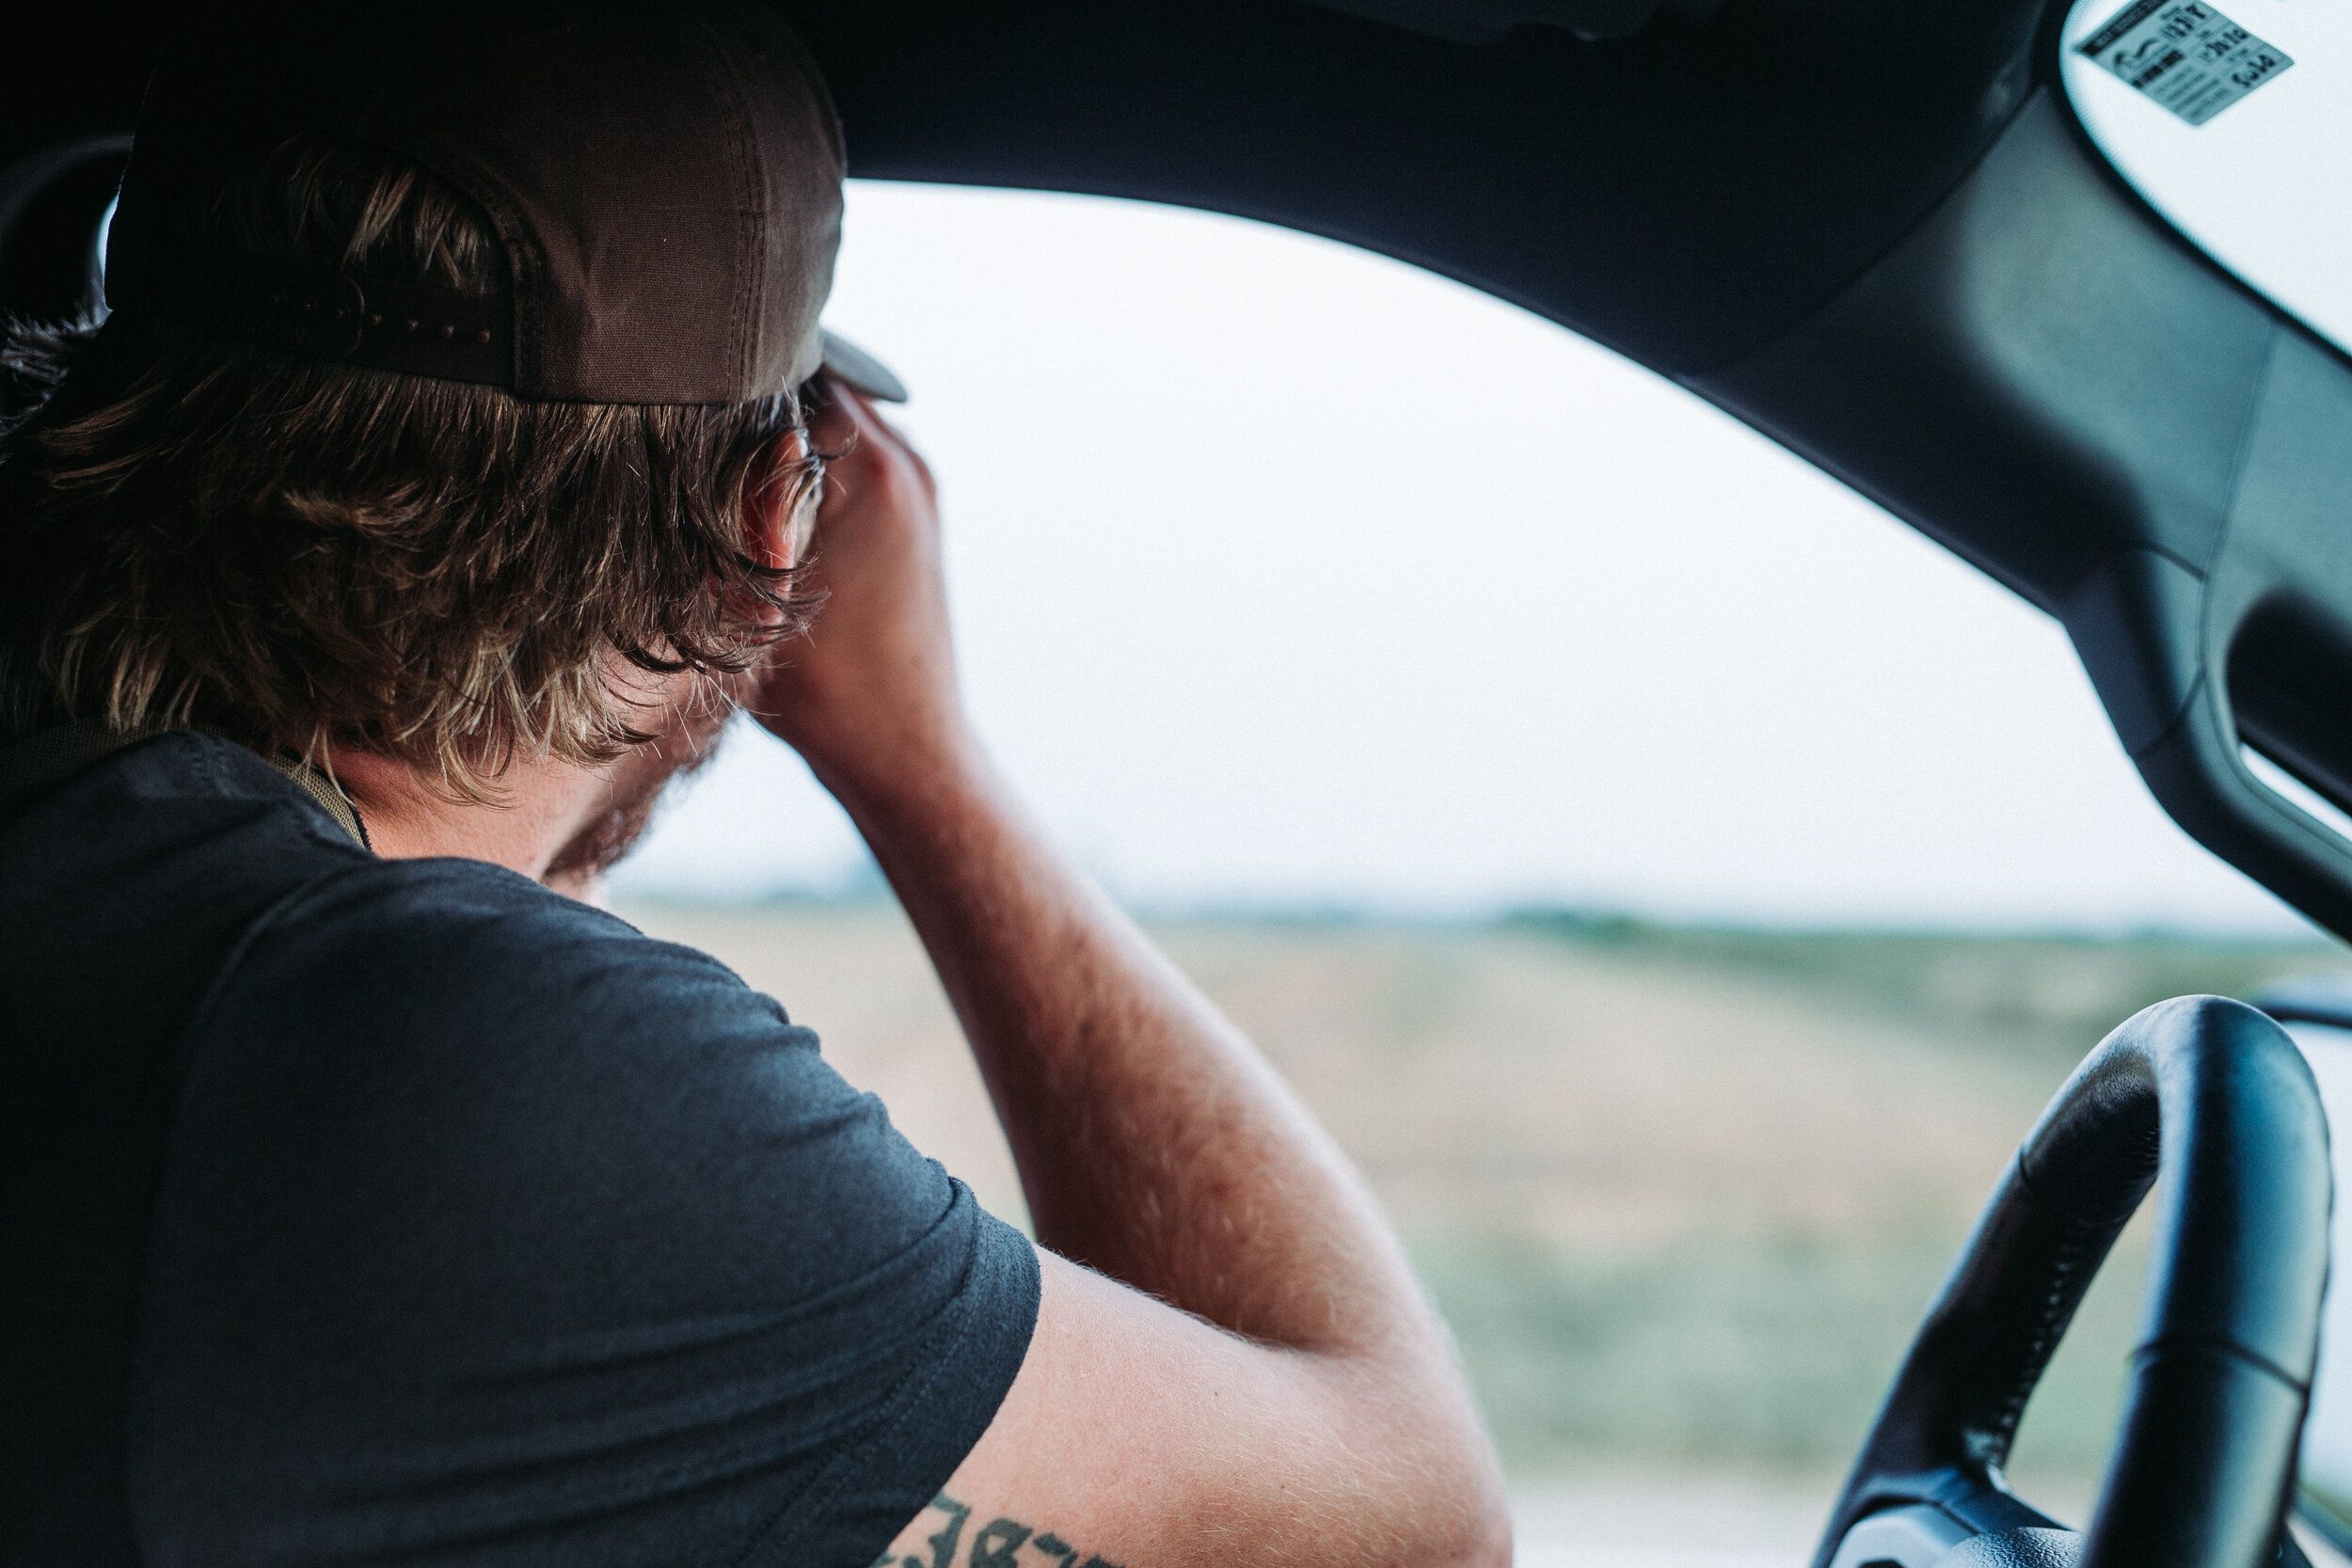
[(1677, 885), (2236, 124)]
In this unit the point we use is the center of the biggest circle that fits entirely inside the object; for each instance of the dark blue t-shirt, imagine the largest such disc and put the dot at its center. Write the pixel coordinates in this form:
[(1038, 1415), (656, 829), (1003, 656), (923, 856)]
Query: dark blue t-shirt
[(362, 1211)]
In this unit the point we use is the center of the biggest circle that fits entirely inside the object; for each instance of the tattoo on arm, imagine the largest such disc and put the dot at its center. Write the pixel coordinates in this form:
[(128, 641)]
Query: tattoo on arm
[(997, 1543), (943, 1546), (994, 1546)]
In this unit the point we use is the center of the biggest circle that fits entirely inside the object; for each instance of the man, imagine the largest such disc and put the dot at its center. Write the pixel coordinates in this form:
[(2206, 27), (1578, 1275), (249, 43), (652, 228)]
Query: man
[(441, 481)]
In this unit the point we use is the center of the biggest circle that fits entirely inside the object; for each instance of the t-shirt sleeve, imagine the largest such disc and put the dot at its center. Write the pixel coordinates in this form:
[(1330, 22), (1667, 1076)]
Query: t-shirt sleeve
[(495, 1232)]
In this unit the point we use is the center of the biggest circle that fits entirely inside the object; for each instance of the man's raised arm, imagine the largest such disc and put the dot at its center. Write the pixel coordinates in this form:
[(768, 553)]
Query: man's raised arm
[(1233, 1362)]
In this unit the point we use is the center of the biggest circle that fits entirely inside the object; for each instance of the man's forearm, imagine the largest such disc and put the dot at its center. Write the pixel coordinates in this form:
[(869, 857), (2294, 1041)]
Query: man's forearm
[(1304, 1406), (1153, 1142)]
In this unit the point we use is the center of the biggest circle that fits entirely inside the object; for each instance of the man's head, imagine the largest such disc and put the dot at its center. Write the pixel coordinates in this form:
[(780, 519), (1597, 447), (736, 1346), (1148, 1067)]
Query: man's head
[(523, 503)]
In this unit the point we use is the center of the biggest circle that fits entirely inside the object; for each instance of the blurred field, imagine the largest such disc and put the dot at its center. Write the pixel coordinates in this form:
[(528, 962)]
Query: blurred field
[(1683, 1194)]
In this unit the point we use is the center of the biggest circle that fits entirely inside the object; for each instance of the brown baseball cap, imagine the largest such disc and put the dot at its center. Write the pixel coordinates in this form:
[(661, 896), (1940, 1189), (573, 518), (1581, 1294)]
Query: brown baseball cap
[(665, 181)]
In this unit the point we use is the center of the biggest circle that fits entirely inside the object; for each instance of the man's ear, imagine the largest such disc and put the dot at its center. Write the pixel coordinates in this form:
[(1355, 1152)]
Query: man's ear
[(778, 505)]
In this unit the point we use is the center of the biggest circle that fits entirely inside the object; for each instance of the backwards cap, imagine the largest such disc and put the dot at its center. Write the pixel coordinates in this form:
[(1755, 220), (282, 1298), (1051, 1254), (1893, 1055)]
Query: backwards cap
[(664, 181)]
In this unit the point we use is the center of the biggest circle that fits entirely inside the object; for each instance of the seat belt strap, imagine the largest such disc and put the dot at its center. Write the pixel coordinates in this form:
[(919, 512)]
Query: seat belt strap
[(47, 758)]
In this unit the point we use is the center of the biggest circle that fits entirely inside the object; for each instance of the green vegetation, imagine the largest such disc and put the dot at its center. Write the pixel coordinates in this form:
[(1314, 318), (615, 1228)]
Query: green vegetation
[(1770, 1348), (1713, 1351), (2042, 992), (1738, 1354)]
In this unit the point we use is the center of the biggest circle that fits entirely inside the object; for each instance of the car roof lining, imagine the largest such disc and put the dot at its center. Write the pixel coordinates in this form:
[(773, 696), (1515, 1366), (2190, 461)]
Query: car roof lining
[(1483, 21), (1681, 195)]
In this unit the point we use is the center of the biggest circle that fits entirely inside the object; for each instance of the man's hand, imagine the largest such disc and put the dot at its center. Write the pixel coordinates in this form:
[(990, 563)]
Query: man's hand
[(872, 689)]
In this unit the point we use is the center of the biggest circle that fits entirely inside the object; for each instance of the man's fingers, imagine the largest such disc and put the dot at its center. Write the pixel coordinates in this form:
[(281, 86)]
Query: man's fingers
[(854, 434), (833, 418)]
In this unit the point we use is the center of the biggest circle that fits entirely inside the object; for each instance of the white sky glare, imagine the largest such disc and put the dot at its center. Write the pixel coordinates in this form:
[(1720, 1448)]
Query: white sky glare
[(1286, 574)]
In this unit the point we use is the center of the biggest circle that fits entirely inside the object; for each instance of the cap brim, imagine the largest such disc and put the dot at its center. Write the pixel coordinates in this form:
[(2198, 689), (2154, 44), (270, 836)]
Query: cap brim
[(853, 367)]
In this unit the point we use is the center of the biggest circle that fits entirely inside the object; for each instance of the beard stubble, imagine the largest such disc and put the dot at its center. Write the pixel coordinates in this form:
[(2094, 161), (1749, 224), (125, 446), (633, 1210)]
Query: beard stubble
[(639, 780)]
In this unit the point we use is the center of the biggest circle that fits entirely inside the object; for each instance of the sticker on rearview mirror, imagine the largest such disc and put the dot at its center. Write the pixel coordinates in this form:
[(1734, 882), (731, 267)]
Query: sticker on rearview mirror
[(2186, 54)]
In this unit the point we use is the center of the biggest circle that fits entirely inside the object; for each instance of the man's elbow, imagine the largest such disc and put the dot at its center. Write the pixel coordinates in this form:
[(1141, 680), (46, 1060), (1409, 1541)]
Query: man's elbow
[(1421, 1454), (1466, 1523), (1485, 1542)]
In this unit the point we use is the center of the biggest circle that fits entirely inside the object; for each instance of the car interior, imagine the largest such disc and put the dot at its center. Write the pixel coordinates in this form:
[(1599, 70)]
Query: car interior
[(1883, 236)]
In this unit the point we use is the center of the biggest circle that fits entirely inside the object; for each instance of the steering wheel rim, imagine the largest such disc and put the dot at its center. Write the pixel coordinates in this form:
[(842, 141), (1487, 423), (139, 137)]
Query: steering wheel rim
[(2211, 1102)]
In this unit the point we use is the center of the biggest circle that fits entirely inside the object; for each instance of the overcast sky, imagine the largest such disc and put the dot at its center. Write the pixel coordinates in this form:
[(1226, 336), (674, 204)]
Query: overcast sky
[(1286, 574)]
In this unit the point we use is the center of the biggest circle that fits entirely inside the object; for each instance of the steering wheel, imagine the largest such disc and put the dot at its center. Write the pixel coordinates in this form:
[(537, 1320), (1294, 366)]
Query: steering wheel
[(2210, 1101)]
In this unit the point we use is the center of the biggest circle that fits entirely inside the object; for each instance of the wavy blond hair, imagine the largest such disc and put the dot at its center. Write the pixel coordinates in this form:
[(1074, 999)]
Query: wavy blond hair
[(302, 555)]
